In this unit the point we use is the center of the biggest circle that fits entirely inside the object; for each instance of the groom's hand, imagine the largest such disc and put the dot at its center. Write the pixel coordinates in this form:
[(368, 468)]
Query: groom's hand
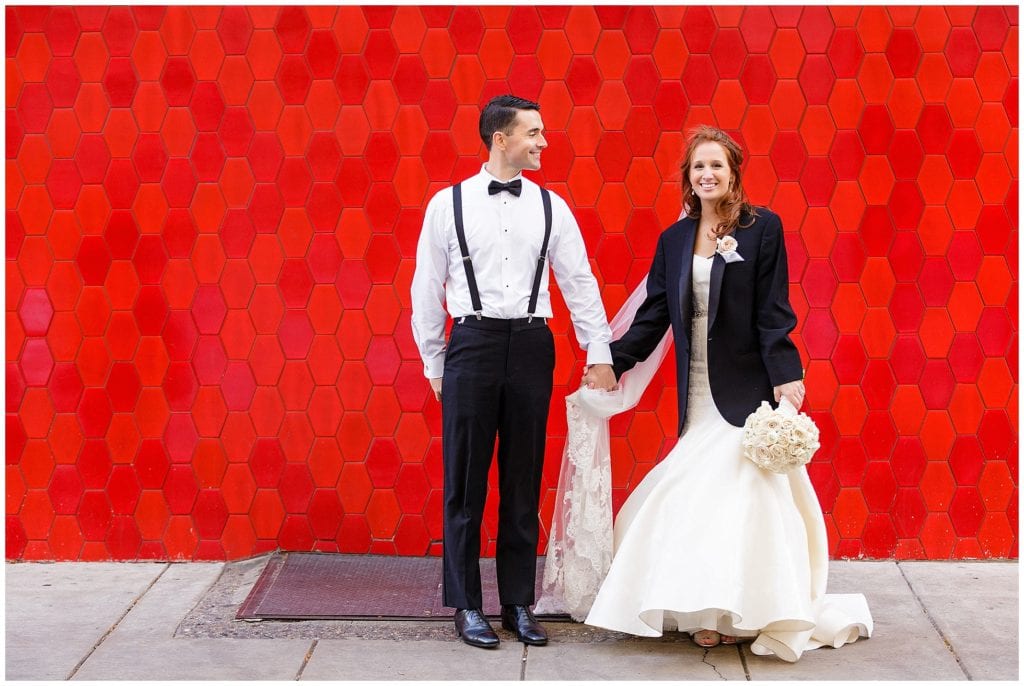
[(435, 386), (600, 376)]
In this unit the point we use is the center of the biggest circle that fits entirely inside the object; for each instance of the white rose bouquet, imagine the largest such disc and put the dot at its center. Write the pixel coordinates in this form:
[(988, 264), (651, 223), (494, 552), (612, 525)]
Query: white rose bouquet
[(779, 440)]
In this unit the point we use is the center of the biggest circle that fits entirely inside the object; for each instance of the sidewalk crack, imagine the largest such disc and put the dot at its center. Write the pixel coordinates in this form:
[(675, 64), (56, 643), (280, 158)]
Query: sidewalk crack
[(117, 623), (522, 668), (945, 639), (704, 659)]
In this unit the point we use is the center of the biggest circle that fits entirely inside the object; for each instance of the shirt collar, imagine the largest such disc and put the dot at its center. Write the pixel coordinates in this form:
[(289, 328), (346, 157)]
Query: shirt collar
[(488, 176)]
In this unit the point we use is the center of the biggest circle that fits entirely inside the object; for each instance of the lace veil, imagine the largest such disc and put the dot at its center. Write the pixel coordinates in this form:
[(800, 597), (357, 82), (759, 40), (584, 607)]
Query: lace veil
[(580, 543)]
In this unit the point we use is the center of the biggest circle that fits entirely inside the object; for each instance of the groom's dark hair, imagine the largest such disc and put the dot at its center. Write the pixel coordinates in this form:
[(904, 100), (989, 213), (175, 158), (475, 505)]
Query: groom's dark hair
[(500, 113)]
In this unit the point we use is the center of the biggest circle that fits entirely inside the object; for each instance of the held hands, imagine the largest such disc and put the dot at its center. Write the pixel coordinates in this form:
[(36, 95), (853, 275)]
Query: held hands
[(599, 376), (435, 386), (792, 391)]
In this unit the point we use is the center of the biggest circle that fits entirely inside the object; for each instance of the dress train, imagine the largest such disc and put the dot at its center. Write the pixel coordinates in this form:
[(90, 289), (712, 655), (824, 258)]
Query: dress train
[(707, 540)]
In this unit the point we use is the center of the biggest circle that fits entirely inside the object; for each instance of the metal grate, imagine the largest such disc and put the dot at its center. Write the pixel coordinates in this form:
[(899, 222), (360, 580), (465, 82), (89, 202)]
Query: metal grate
[(331, 586)]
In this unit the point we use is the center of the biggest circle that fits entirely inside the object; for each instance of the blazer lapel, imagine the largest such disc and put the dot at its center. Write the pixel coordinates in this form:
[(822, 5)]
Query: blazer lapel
[(684, 254), (717, 271)]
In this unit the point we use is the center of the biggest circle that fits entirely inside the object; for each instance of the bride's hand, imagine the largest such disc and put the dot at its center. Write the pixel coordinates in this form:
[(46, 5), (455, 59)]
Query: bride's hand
[(792, 391)]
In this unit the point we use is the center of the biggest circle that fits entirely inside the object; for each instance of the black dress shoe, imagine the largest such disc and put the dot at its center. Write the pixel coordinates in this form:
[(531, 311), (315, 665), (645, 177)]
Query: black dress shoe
[(474, 629), (519, 619)]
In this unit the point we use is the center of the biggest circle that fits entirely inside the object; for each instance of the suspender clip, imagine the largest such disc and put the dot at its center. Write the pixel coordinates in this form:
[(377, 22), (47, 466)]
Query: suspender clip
[(529, 319), (479, 314), (467, 259)]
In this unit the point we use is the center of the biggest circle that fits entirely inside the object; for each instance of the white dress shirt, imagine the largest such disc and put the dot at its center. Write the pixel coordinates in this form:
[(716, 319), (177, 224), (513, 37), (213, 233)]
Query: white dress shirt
[(504, 234)]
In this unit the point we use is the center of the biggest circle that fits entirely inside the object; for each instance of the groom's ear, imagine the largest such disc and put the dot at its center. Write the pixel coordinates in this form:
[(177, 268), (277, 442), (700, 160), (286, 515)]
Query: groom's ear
[(497, 141)]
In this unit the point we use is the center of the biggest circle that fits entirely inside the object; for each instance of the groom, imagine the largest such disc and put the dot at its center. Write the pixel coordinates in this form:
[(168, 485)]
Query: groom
[(483, 253)]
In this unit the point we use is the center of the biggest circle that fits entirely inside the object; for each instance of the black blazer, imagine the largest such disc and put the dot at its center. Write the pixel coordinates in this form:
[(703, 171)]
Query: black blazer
[(749, 316)]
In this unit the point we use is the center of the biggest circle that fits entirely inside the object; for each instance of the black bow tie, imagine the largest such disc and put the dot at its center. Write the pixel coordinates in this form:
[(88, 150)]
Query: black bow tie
[(515, 187)]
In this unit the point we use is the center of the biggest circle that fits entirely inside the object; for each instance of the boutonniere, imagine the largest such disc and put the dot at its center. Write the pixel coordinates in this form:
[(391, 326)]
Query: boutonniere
[(727, 249)]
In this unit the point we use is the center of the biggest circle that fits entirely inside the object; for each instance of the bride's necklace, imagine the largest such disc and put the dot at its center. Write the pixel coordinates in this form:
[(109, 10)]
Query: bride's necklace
[(708, 234), (707, 228)]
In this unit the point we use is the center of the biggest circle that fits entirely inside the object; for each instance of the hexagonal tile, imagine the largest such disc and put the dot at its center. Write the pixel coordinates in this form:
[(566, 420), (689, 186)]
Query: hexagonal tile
[(214, 213)]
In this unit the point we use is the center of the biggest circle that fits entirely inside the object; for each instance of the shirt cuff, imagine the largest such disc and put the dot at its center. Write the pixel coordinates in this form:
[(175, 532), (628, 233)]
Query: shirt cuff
[(434, 368), (599, 353)]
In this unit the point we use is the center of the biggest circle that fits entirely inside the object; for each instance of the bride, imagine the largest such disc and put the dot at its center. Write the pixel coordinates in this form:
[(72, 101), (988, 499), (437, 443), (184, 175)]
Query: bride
[(708, 543)]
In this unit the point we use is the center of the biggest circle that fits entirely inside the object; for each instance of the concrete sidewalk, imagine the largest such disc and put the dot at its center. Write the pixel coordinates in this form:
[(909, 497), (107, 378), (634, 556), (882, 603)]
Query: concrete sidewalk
[(941, 621)]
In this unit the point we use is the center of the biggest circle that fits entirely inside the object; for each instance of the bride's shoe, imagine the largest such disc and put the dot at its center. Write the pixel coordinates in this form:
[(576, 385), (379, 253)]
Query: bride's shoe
[(728, 640), (706, 638)]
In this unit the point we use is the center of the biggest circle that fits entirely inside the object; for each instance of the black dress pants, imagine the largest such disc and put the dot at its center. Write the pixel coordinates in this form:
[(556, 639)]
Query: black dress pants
[(497, 384)]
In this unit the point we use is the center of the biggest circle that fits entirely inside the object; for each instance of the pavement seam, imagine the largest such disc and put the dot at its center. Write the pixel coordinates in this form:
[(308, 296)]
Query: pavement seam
[(522, 668), (920, 602), (113, 627), (743, 661), (199, 600), (305, 660)]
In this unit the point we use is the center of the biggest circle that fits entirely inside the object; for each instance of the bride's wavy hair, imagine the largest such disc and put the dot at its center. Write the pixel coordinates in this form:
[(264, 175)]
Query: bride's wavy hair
[(734, 204)]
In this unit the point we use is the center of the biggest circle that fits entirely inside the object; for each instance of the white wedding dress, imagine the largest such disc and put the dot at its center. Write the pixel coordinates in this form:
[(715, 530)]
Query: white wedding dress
[(707, 540)]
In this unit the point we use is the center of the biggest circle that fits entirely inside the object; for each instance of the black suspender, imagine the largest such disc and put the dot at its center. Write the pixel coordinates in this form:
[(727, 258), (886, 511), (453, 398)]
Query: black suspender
[(542, 258), (474, 293), (467, 262)]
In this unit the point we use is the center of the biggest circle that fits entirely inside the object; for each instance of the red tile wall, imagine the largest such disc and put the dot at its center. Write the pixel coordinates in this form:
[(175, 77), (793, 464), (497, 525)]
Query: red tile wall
[(212, 216)]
